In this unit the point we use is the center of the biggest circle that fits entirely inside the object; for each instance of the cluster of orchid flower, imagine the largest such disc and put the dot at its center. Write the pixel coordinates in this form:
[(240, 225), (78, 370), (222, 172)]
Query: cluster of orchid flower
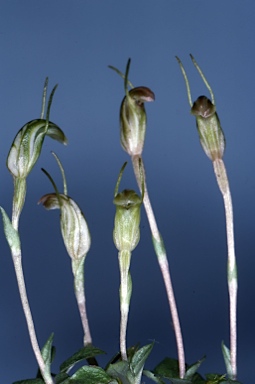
[(129, 365)]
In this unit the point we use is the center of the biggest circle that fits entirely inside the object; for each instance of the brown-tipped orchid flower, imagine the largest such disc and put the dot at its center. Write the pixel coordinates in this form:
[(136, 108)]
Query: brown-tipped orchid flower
[(77, 240), (213, 142), (208, 124), (133, 115), (73, 225), (209, 129), (133, 119)]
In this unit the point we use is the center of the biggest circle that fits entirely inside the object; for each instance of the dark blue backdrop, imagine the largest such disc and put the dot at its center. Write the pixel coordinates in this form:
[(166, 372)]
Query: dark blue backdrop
[(72, 42)]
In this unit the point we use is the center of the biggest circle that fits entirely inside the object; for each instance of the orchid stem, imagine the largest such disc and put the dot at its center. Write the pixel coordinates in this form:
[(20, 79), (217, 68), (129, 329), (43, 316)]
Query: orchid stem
[(17, 261), (163, 264), (222, 179)]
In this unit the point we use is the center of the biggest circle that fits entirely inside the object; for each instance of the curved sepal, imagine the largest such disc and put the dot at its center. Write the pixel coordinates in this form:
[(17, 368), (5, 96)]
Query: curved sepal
[(27, 145)]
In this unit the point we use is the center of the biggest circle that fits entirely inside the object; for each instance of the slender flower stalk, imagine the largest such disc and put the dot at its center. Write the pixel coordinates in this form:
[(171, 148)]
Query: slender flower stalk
[(13, 240), (213, 142), (126, 236), (24, 153), (160, 251), (77, 240), (132, 134)]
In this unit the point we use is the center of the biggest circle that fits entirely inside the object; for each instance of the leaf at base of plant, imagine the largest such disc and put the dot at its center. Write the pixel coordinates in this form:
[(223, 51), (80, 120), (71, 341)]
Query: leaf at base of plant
[(83, 354)]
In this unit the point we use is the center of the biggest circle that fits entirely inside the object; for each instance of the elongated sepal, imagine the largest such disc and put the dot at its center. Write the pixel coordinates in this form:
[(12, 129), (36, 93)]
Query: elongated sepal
[(12, 236), (133, 119), (74, 228), (126, 233), (27, 145), (209, 129)]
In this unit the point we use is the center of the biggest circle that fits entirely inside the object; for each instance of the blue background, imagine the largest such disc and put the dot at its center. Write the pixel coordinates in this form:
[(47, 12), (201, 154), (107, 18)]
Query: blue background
[(73, 42)]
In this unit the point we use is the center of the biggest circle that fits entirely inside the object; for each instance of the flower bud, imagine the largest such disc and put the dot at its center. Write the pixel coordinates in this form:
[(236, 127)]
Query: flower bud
[(27, 145), (208, 125), (133, 119), (74, 227), (126, 234)]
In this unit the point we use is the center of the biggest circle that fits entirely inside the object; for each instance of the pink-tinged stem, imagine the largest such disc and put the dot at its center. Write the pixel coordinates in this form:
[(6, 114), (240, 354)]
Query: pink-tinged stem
[(222, 179), (163, 264)]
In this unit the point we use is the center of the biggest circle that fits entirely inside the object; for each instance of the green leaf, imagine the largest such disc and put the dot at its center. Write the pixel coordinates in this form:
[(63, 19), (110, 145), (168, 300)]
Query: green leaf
[(12, 236), (47, 353), (90, 375), (229, 381), (214, 378), (198, 379), (61, 377), (139, 358), (82, 354), (130, 373), (226, 355), (190, 372), (121, 371), (152, 377), (117, 357), (168, 368)]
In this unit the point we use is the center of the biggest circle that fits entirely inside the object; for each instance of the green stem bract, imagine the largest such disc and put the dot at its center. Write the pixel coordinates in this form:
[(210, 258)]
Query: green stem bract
[(159, 246), (11, 234)]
